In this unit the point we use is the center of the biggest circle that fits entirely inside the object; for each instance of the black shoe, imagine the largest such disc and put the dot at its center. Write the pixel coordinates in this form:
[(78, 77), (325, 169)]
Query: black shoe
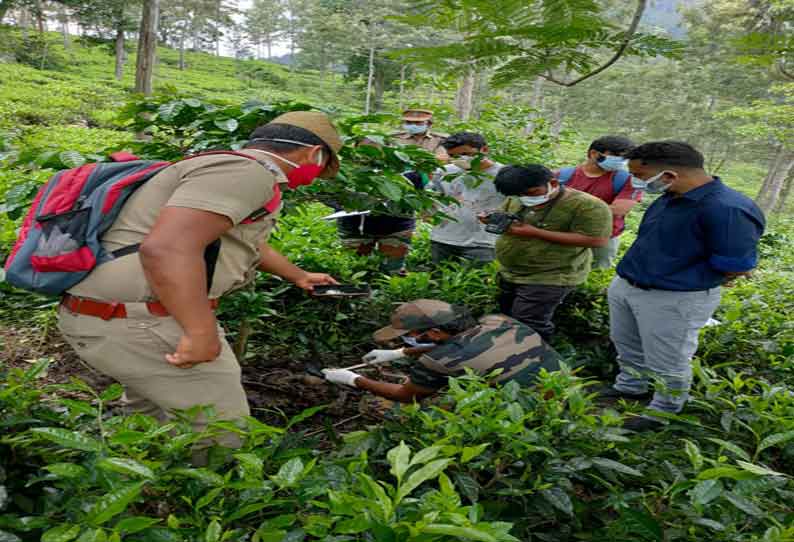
[(610, 393), (640, 424)]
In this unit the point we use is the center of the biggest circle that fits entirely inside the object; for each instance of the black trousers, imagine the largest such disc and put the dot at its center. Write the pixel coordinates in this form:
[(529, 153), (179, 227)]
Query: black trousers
[(532, 304)]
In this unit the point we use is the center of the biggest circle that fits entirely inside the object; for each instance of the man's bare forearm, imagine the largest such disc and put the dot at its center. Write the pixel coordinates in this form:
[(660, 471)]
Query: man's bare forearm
[(560, 238), (404, 393), (178, 279), (272, 261)]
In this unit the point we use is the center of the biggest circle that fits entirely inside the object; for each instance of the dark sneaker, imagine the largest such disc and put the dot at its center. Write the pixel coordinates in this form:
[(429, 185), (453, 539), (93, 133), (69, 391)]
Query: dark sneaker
[(640, 424), (609, 393)]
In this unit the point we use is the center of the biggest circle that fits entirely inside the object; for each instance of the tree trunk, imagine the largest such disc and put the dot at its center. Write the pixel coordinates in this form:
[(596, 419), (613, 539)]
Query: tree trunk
[(785, 193), (779, 170), (182, 50), (402, 88), (218, 28), (40, 17), (464, 99), (556, 126), (370, 78), (379, 84), (147, 47), (269, 44), (536, 104), (63, 16), (120, 53)]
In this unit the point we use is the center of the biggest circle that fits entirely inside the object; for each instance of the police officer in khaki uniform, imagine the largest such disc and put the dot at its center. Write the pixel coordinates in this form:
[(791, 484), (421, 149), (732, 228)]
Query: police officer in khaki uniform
[(445, 340), (416, 131), (146, 318)]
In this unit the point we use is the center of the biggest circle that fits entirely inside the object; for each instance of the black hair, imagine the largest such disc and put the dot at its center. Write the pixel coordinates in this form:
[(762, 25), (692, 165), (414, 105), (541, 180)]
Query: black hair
[(516, 180), (275, 130), (667, 153), (618, 145), (459, 139)]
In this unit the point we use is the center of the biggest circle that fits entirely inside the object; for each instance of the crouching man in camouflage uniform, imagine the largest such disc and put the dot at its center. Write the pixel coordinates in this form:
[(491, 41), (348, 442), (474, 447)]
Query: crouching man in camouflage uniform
[(444, 340)]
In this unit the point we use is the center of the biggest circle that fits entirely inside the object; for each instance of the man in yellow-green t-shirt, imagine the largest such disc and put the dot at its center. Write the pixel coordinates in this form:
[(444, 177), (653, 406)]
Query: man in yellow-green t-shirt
[(545, 252)]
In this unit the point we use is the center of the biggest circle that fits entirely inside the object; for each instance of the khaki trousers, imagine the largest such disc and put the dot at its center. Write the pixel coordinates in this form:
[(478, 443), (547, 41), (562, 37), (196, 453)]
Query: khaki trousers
[(132, 350)]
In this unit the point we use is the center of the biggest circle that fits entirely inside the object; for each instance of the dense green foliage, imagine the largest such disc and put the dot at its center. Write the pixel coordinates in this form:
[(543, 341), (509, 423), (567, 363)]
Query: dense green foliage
[(482, 463)]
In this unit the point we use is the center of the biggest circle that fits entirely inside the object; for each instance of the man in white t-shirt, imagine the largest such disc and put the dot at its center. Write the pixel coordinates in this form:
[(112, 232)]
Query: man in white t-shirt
[(469, 179)]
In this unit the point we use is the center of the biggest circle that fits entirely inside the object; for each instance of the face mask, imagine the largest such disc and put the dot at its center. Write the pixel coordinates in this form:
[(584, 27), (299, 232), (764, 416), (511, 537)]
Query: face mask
[(612, 163), (533, 201), (463, 162), (654, 185), (301, 175), (415, 129), (413, 343)]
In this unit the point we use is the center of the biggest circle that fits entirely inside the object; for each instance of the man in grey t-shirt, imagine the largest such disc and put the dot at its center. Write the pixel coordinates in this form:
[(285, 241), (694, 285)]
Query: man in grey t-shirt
[(469, 179)]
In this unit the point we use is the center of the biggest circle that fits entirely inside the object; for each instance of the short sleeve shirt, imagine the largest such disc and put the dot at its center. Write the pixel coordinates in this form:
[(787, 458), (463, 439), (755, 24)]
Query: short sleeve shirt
[(475, 195), (497, 342), (229, 185), (526, 260), (603, 188)]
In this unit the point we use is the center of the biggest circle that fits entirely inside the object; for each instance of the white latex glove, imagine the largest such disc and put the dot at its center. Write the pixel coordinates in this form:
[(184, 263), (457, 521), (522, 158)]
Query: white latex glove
[(383, 356), (341, 376)]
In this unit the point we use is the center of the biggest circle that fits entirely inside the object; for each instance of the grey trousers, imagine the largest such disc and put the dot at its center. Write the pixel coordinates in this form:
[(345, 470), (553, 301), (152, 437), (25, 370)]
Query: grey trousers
[(656, 334), (604, 257)]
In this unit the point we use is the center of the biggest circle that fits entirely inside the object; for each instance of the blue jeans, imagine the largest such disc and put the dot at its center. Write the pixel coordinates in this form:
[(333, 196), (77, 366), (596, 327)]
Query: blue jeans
[(656, 334)]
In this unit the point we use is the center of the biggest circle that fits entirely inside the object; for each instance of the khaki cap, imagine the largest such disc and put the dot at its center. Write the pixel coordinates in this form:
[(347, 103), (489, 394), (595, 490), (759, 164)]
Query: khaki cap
[(320, 125), (417, 115), (416, 315)]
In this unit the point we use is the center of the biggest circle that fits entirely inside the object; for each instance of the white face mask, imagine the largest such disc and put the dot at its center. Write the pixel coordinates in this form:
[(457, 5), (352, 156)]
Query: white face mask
[(462, 161), (533, 201), (654, 185)]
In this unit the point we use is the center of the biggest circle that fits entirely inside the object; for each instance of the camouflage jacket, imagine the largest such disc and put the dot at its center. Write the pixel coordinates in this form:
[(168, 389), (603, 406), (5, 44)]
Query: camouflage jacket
[(497, 342)]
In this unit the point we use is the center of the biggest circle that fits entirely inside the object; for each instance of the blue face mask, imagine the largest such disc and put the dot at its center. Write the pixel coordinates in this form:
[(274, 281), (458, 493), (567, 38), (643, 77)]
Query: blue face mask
[(612, 163), (654, 185), (415, 129)]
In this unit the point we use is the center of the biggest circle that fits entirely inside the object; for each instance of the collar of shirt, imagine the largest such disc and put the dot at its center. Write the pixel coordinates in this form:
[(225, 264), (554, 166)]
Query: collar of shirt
[(700, 192), (268, 161)]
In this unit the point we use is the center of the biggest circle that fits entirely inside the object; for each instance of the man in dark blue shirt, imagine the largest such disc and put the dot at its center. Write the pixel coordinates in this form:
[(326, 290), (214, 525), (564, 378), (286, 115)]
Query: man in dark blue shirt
[(696, 237)]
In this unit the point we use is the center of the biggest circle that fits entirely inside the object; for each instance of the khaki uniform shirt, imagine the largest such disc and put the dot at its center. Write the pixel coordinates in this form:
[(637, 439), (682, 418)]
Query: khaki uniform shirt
[(497, 342), (229, 185), (429, 141), (526, 260)]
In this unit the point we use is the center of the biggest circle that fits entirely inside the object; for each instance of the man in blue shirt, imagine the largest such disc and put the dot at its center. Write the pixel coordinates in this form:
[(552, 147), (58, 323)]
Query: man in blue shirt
[(696, 237)]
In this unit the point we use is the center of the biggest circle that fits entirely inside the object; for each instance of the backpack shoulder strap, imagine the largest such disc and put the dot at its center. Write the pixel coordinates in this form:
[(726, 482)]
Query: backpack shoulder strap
[(565, 174), (619, 180)]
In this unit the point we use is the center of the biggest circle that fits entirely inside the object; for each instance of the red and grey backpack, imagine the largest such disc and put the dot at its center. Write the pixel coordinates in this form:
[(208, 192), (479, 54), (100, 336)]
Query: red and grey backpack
[(60, 239)]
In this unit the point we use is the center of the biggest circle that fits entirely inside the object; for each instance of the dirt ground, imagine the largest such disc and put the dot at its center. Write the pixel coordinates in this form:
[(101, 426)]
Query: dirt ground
[(276, 392)]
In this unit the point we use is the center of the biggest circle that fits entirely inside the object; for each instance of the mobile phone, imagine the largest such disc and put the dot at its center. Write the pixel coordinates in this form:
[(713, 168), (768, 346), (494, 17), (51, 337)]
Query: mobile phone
[(341, 290)]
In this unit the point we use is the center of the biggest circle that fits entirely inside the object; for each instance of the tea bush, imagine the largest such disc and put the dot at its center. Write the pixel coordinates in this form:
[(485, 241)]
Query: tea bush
[(480, 463)]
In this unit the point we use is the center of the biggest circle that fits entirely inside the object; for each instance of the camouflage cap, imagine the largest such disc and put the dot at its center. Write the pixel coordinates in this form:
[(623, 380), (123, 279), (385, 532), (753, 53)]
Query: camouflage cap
[(417, 115), (320, 125), (416, 315)]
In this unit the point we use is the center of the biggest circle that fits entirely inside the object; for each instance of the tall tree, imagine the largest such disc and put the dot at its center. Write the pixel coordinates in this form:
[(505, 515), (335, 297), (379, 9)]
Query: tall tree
[(564, 42), (264, 23), (147, 47), (771, 121), (112, 19)]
